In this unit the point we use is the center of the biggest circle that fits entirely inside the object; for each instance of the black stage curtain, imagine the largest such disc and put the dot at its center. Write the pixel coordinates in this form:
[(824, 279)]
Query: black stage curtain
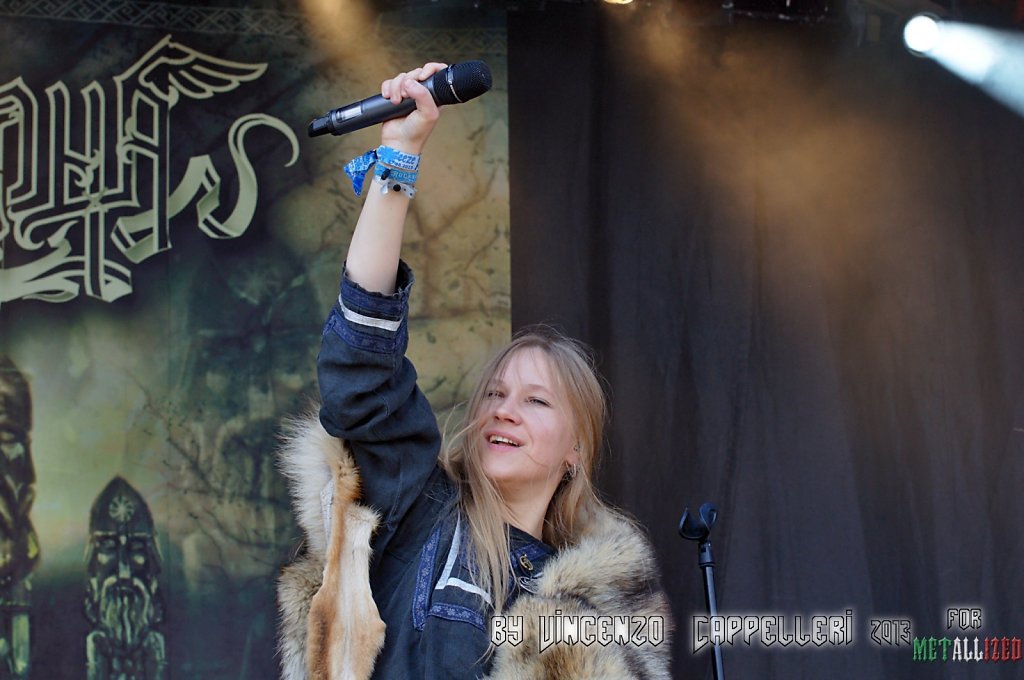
[(799, 260)]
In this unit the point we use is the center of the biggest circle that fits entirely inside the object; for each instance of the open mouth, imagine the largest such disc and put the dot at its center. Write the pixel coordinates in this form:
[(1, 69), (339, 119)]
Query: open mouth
[(502, 441)]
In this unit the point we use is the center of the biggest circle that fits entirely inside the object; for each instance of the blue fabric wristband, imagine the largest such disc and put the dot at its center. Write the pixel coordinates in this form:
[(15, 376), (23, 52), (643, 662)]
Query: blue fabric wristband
[(398, 159), (394, 167)]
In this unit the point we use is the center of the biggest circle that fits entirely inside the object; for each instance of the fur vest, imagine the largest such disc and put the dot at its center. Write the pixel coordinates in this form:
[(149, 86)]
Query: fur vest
[(330, 628)]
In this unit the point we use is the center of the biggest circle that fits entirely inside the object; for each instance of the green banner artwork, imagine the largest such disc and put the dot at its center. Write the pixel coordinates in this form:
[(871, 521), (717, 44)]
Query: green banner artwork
[(170, 245), (52, 188)]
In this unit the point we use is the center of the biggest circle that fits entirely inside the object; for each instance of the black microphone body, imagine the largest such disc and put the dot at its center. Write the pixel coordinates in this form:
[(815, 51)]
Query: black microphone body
[(454, 85)]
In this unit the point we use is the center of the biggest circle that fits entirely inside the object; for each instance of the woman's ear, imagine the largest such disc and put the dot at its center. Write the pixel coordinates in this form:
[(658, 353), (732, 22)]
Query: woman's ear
[(574, 456)]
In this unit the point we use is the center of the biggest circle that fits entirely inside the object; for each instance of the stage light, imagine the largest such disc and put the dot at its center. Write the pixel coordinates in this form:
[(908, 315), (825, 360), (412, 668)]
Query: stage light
[(922, 33), (989, 58)]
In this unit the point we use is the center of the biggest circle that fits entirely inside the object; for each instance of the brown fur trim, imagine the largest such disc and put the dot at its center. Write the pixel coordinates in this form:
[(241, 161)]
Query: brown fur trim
[(337, 632), (296, 585), (611, 571)]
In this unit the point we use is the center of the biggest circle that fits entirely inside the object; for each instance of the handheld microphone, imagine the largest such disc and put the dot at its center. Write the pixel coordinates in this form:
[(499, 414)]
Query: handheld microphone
[(454, 85)]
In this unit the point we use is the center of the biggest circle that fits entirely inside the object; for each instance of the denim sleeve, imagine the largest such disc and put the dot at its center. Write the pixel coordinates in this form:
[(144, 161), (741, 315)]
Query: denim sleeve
[(369, 395)]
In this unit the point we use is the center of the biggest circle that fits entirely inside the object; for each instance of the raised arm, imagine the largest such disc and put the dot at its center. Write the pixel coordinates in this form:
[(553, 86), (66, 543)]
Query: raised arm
[(377, 242), (368, 390)]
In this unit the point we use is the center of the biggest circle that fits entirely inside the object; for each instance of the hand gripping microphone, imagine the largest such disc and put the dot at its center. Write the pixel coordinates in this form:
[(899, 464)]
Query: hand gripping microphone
[(454, 85)]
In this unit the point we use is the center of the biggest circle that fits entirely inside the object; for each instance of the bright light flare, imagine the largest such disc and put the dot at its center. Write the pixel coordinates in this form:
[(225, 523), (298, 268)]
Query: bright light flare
[(921, 34), (333, 23), (989, 58)]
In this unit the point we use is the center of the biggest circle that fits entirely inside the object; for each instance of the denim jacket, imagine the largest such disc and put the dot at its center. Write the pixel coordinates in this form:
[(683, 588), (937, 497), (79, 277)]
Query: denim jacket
[(435, 614)]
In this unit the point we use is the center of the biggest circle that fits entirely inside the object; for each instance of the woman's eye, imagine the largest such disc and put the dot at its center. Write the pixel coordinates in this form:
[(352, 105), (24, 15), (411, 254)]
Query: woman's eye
[(493, 394), (537, 400)]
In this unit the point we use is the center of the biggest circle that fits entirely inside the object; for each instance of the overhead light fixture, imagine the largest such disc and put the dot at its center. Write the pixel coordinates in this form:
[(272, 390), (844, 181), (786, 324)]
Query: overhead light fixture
[(921, 34), (990, 58), (800, 11)]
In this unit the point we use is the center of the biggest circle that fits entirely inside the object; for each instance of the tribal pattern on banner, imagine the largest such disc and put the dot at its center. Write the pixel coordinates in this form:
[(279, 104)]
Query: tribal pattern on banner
[(69, 209)]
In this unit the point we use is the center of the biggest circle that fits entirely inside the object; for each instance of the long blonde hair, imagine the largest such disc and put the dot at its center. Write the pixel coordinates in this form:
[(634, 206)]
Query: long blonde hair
[(572, 366)]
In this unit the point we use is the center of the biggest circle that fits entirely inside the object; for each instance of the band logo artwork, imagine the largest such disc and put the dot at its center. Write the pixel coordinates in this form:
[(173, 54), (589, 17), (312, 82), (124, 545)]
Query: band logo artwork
[(85, 188)]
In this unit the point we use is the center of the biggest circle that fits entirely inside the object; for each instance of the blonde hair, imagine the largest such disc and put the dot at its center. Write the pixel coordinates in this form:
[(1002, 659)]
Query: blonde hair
[(572, 367)]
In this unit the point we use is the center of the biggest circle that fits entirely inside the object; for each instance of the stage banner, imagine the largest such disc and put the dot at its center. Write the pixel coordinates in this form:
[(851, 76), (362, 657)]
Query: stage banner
[(170, 244)]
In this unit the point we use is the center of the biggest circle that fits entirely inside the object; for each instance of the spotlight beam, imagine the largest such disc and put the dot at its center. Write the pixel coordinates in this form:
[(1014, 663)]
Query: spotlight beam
[(989, 58)]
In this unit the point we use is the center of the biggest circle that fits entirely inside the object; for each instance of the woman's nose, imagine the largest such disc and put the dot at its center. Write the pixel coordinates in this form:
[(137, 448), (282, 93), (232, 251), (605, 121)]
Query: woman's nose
[(504, 410)]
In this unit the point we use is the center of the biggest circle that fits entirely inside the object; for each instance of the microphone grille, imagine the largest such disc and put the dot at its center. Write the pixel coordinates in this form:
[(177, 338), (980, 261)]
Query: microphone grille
[(467, 80)]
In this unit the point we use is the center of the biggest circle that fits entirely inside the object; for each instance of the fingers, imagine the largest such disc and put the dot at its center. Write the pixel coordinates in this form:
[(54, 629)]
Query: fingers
[(410, 132), (425, 104), (407, 83), (430, 68), (390, 89)]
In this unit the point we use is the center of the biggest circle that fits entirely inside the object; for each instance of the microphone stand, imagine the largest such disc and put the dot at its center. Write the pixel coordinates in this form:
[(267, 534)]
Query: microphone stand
[(698, 529)]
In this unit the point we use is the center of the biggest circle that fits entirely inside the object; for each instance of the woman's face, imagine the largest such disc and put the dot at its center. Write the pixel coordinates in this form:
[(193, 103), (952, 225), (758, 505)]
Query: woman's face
[(527, 432)]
